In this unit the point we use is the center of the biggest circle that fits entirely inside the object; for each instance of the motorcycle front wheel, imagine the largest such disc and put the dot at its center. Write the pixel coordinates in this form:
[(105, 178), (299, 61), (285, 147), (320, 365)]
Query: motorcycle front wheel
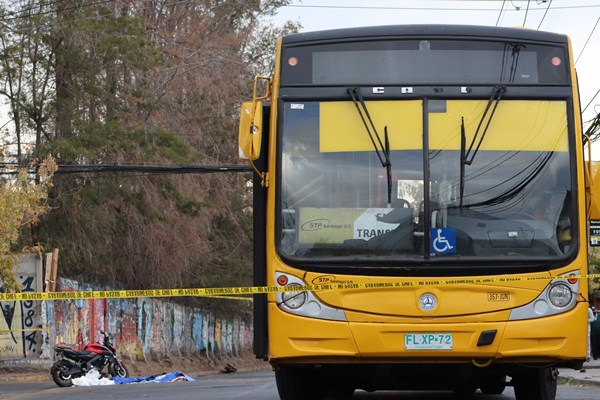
[(60, 373), (118, 369)]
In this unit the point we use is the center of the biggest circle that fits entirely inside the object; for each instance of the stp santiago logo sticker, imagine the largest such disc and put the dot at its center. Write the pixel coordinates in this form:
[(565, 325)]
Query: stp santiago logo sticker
[(428, 302)]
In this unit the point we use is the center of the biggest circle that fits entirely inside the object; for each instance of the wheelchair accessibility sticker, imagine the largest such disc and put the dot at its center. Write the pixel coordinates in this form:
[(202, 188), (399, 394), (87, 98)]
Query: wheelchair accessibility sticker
[(442, 240)]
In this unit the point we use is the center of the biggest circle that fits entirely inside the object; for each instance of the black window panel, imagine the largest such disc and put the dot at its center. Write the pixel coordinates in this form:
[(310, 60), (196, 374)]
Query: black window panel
[(424, 62)]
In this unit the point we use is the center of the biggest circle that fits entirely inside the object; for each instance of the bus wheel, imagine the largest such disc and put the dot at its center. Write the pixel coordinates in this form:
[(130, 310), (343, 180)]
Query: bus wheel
[(494, 385), (298, 383), (536, 384)]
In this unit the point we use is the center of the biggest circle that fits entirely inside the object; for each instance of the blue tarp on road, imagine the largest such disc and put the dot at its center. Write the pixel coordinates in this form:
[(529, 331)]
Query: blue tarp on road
[(170, 377)]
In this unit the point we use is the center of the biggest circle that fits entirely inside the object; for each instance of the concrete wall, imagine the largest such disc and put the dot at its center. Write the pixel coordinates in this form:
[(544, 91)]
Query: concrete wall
[(21, 321), (143, 328), (147, 327)]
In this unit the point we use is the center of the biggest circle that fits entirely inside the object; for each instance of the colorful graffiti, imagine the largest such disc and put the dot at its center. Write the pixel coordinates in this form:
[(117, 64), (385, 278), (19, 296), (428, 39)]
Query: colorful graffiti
[(141, 328), (148, 327)]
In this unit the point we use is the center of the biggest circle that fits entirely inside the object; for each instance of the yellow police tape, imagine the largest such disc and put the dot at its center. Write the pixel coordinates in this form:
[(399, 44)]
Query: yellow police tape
[(234, 292)]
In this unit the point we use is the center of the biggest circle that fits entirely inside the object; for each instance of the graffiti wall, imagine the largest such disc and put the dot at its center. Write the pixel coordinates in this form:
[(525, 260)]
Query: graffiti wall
[(147, 327), (22, 323), (141, 328)]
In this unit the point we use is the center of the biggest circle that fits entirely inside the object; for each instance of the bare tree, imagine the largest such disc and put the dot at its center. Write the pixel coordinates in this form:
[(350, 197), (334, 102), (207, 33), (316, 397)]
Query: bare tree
[(151, 81), (27, 68)]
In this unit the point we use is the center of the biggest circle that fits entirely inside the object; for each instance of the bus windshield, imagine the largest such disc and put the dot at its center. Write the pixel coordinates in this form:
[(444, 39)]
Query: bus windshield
[(512, 199)]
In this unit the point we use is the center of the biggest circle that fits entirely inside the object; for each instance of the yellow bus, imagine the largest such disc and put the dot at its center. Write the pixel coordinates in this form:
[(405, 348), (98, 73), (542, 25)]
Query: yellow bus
[(438, 172)]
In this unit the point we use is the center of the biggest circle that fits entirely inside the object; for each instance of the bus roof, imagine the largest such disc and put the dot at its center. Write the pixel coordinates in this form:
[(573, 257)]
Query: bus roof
[(392, 31)]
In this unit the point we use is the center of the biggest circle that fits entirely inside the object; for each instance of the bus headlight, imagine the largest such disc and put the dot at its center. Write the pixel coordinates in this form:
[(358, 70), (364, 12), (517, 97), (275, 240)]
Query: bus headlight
[(293, 300), (305, 303), (560, 295)]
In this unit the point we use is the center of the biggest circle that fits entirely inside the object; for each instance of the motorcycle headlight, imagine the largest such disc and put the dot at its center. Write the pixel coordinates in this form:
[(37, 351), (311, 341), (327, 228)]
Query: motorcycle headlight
[(560, 295)]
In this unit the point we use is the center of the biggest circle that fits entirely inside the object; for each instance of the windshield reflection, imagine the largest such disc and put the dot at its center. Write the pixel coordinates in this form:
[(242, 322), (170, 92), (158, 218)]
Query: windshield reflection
[(333, 204)]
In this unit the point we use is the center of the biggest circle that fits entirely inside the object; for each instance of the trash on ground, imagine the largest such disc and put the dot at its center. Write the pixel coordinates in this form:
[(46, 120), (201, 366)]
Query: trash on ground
[(93, 378), (228, 369)]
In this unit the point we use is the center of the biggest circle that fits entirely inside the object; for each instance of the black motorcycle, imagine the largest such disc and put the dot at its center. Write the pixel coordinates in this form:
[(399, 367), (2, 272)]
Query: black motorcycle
[(75, 364)]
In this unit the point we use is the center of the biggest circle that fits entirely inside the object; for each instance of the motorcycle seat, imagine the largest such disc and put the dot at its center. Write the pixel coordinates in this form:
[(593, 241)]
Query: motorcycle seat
[(83, 354)]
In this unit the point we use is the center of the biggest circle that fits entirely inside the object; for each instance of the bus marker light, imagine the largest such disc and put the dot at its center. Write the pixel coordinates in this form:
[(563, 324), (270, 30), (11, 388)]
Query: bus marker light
[(556, 61), (282, 280), (292, 61), (572, 280)]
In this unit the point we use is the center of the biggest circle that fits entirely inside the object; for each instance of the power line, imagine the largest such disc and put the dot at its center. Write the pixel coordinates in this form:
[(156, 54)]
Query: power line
[(77, 7), (590, 101), (545, 12), (31, 7), (429, 8), (587, 41), (146, 169), (499, 15), (89, 17), (526, 11)]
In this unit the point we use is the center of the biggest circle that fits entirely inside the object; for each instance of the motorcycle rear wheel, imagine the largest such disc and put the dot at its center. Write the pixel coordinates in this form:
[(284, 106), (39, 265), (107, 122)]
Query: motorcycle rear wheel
[(60, 373)]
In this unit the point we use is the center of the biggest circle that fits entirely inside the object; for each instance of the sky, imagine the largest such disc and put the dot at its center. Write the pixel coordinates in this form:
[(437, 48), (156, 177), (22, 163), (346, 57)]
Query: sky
[(579, 19)]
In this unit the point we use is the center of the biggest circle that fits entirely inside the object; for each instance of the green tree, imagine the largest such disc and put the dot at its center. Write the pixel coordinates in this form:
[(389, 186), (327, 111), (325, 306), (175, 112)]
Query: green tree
[(22, 203), (26, 70)]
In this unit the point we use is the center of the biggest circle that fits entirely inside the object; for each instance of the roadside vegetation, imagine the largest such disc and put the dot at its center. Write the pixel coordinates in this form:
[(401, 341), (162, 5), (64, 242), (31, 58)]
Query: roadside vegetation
[(23, 201), (129, 82)]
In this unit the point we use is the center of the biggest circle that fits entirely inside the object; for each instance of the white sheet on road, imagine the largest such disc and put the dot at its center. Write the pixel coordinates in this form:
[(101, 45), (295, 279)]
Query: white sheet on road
[(93, 378)]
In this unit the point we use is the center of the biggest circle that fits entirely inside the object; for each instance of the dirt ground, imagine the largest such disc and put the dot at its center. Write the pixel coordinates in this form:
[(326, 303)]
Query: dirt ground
[(196, 365)]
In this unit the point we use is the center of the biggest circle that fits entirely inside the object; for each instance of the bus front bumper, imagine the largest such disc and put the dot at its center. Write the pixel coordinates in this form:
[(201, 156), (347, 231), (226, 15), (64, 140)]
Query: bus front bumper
[(558, 339)]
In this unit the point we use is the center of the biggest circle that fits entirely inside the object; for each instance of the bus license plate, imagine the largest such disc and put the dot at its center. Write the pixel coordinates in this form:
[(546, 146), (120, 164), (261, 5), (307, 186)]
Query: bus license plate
[(428, 341)]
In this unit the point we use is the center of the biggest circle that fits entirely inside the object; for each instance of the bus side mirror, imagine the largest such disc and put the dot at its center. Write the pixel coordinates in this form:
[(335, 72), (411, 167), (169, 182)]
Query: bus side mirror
[(250, 132)]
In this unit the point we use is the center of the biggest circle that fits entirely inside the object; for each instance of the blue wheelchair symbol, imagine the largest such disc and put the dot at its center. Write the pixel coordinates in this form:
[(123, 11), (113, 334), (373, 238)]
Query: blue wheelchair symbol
[(442, 240)]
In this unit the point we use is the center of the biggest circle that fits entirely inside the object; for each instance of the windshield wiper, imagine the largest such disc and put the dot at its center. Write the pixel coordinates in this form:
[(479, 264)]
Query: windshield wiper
[(464, 154), (381, 149), (495, 100)]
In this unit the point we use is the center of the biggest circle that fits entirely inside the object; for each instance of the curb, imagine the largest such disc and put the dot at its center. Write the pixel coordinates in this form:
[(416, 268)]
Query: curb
[(577, 382), (25, 370), (21, 377)]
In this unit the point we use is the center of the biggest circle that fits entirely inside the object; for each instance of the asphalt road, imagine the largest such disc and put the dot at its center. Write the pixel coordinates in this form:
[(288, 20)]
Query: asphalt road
[(247, 386)]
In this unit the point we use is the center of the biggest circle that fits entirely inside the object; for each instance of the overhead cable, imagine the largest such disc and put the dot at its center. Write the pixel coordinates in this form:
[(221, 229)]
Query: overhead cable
[(545, 12), (587, 41), (148, 169)]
